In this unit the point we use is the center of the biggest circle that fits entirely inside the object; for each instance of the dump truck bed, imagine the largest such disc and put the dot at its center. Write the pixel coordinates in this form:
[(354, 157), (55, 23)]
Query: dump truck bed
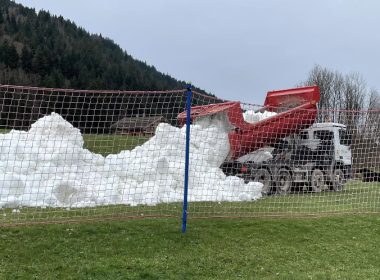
[(296, 109)]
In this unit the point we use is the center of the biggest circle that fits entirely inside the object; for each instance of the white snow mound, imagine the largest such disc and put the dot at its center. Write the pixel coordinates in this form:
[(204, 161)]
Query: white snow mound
[(48, 166)]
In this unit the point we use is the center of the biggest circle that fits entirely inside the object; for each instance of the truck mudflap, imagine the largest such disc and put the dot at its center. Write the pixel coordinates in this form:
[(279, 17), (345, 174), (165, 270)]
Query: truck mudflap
[(296, 109)]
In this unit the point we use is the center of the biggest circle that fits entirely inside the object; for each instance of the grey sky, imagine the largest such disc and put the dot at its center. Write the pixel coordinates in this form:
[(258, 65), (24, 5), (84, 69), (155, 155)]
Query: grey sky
[(237, 49)]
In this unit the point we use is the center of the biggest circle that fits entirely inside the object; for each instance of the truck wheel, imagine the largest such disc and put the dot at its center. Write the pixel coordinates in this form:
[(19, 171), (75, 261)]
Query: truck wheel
[(338, 180), (284, 181), (263, 176), (317, 180)]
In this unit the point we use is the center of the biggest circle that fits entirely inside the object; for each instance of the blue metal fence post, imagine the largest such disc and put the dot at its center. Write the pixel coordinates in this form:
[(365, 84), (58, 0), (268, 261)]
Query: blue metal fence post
[(189, 94)]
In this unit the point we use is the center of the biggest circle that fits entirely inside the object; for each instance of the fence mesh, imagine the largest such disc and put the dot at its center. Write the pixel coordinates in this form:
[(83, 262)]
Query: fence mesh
[(81, 155)]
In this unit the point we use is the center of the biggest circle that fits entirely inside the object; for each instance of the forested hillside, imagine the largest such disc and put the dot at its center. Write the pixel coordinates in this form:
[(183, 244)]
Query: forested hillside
[(43, 50)]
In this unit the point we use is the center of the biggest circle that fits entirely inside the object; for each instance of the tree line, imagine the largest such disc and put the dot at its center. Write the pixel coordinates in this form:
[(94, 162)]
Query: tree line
[(40, 49)]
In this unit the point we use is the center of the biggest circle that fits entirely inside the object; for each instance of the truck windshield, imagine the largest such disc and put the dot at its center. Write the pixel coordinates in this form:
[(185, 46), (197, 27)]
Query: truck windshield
[(345, 138), (304, 135), (326, 138), (323, 135)]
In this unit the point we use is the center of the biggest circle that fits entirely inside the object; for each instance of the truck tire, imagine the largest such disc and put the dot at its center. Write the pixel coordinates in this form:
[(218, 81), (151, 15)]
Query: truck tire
[(263, 176), (339, 180), (284, 181), (317, 180)]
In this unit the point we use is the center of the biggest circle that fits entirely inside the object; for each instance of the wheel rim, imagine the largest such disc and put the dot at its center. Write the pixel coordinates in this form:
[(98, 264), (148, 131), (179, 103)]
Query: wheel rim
[(284, 181), (317, 180), (263, 177)]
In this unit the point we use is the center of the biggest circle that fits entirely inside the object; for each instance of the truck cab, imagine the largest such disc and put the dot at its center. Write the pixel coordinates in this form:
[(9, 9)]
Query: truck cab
[(331, 137), (331, 162)]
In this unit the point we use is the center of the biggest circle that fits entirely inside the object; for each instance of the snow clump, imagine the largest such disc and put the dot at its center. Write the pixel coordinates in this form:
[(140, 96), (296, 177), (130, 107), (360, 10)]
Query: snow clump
[(252, 116)]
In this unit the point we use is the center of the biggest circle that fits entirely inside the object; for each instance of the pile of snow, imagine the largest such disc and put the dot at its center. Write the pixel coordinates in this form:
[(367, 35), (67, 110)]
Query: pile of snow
[(252, 116), (48, 166)]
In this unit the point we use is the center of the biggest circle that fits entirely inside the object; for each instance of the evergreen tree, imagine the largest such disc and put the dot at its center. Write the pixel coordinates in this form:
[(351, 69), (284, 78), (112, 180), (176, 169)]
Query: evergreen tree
[(40, 63), (26, 59), (12, 57)]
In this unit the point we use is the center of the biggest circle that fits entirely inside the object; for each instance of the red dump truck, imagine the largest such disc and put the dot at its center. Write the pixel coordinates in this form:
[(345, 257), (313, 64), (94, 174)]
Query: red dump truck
[(287, 149)]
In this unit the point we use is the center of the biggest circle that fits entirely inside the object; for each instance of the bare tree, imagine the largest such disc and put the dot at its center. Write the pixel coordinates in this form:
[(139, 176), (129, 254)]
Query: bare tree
[(339, 93), (346, 99)]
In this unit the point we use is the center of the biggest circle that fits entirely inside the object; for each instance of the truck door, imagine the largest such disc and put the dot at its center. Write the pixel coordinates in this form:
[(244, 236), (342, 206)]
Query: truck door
[(342, 149)]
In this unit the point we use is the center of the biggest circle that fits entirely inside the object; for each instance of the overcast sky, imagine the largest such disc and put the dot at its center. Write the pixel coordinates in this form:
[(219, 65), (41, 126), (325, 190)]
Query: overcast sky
[(236, 49)]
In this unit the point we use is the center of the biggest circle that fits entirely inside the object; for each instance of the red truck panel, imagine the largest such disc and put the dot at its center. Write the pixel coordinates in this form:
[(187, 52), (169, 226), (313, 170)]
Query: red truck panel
[(296, 108)]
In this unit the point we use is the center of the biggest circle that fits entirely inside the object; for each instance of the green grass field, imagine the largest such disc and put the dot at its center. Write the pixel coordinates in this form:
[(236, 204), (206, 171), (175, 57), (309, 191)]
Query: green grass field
[(111, 144), (290, 246), (321, 248)]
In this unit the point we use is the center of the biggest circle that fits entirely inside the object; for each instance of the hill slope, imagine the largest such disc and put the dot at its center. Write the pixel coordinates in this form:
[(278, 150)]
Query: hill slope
[(43, 50)]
